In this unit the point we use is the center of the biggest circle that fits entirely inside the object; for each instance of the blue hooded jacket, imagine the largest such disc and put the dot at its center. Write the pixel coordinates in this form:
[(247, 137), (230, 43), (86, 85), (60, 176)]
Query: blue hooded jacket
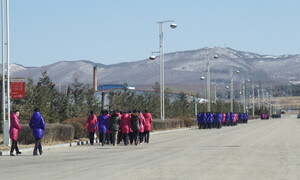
[(231, 116), (102, 122), (220, 118), (227, 117), (204, 118), (37, 124)]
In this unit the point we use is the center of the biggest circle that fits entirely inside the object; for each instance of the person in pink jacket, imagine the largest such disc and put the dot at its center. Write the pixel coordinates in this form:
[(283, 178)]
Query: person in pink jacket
[(125, 126), (142, 129), (224, 119), (13, 131), (147, 125), (90, 125), (235, 119), (108, 132)]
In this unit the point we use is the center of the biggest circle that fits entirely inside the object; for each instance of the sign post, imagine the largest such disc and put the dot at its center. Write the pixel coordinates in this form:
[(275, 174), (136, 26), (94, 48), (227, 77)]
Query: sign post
[(17, 88)]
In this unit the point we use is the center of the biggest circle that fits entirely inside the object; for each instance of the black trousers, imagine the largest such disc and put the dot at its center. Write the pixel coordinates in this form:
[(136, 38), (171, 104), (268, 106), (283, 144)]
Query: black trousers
[(119, 137), (125, 139), (38, 145), (135, 136), (131, 137), (108, 138), (141, 137), (14, 146), (102, 138), (147, 136), (91, 136)]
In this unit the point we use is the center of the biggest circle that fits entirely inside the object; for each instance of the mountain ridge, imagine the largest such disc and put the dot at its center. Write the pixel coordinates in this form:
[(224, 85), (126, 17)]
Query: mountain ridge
[(181, 67)]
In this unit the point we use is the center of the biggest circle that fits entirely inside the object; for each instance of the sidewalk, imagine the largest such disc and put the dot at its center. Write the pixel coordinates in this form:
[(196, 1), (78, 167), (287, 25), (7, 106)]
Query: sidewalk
[(79, 143)]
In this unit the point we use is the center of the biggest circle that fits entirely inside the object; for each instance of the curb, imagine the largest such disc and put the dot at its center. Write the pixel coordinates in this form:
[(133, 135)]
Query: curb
[(79, 143)]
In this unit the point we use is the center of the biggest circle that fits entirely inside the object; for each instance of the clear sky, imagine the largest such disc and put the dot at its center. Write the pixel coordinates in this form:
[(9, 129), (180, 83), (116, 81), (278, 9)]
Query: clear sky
[(108, 32)]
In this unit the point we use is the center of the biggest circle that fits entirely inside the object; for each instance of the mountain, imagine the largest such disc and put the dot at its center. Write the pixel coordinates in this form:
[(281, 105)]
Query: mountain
[(182, 68)]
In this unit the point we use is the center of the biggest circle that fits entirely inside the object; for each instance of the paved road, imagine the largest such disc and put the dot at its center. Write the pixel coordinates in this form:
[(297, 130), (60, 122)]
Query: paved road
[(267, 149)]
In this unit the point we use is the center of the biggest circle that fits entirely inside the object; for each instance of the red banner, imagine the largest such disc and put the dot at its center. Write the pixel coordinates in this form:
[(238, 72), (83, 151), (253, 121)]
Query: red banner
[(17, 88)]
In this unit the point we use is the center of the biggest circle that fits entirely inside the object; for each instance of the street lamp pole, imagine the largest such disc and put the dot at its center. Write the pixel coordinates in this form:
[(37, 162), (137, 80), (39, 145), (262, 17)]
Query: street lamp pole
[(244, 96), (6, 123), (208, 82), (161, 66), (253, 102), (231, 89)]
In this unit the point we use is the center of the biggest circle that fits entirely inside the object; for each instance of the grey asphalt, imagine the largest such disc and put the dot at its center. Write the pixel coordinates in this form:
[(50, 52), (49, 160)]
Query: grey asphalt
[(268, 149)]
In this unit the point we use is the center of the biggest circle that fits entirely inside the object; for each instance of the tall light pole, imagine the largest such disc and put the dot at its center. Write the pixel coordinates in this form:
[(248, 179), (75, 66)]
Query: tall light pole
[(258, 97), (244, 94), (6, 123), (161, 67), (253, 102), (208, 81), (231, 88)]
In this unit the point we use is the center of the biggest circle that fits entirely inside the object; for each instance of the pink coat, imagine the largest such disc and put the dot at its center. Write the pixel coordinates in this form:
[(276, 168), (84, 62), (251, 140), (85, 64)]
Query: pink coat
[(91, 123), (14, 127), (235, 117), (142, 129), (125, 123), (224, 117), (148, 121)]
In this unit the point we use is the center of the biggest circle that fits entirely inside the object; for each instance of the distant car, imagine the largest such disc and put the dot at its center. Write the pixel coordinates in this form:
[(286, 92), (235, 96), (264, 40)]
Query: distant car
[(298, 116), (276, 115)]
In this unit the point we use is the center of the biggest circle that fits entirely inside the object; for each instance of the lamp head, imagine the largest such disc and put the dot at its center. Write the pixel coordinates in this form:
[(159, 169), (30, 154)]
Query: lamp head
[(152, 57), (173, 25)]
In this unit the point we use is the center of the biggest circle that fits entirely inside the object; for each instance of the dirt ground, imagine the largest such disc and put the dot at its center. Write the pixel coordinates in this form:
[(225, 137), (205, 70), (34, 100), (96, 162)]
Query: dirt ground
[(288, 103)]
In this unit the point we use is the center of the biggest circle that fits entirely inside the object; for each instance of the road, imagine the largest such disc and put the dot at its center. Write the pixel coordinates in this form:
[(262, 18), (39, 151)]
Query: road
[(268, 149)]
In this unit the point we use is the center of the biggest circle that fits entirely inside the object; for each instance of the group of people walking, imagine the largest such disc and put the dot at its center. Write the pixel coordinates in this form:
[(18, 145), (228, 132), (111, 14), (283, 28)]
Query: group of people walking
[(208, 120), (129, 127), (37, 124)]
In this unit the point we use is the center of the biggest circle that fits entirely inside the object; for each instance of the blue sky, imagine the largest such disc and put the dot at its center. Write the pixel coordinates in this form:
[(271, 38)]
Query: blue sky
[(108, 32)]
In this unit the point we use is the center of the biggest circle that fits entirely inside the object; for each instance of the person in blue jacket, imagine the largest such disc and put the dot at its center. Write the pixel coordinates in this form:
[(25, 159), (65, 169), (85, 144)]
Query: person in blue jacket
[(199, 120), (220, 119), (215, 120), (37, 124), (204, 120), (231, 118), (227, 119), (102, 124), (211, 119)]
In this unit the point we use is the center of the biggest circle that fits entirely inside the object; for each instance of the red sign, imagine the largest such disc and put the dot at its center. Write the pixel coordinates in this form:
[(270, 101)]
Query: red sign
[(17, 88)]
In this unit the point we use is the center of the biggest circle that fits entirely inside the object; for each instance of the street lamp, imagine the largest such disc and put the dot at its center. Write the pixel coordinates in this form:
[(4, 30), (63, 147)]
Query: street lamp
[(5, 96), (208, 81), (231, 89), (161, 67), (244, 94)]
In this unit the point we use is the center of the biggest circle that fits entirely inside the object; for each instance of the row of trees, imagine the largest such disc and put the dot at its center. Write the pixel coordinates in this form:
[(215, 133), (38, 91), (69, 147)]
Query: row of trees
[(58, 106), (55, 106)]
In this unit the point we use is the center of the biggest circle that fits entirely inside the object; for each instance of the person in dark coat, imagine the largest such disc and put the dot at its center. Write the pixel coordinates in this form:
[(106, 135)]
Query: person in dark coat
[(135, 125), (37, 124), (114, 126)]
